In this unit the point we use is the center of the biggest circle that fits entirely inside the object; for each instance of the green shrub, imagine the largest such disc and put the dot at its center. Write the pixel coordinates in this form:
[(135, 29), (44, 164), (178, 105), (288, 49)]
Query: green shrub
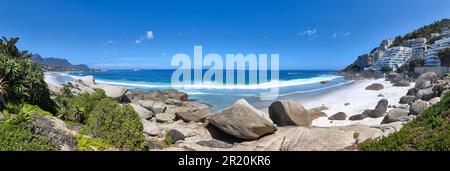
[(117, 125), (15, 138), (168, 139), (429, 132), (89, 144), (30, 109)]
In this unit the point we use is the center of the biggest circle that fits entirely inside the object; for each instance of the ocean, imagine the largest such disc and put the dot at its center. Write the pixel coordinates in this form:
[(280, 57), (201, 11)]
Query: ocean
[(292, 84)]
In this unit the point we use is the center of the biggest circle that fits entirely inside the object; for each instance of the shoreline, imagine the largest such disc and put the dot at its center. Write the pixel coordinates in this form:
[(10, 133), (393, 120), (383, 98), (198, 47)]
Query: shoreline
[(334, 98)]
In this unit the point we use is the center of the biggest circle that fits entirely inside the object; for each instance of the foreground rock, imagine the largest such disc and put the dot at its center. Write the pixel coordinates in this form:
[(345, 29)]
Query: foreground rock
[(379, 110), (284, 113), (338, 116), (143, 113), (375, 86), (395, 115), (318, 139), (402, 83), (418, 107), (198, 116), (243, 121), (56, 131), (407, 99), (426, 80), (150, 128), (114, 92)]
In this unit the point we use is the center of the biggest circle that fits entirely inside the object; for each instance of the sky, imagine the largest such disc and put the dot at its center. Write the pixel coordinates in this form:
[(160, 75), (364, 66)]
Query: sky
[(133, 34)]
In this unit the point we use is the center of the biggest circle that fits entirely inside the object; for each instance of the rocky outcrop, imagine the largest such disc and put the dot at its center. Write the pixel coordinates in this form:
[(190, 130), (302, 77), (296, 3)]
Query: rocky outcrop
[(154, 106), (425, 94), (395, 115), (114, 92), (243, 121), (375, 86), (412, 91), (426, 80), (56, 131), (173, 94), (338, 116), (379, 110), (86, 80)]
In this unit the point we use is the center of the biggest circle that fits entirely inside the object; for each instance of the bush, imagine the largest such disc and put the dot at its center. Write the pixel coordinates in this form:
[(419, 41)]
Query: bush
[(117, 125), (78, 108), (89, 144), (15, 138), (429, 132), (168, 139)]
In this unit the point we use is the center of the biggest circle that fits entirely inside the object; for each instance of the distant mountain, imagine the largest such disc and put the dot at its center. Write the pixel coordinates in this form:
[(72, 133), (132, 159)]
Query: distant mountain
[(57, 64)]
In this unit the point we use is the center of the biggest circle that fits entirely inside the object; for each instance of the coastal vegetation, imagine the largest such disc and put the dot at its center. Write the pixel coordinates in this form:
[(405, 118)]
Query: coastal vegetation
[(104, 123), (429, 132)]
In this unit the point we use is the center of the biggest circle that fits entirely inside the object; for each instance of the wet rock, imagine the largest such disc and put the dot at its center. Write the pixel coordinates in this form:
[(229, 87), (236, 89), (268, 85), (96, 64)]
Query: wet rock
[(375, 86), (380, 109), (338, 116)]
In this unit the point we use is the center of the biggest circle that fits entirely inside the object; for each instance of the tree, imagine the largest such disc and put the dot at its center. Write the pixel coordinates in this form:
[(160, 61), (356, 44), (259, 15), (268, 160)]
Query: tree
[(444, 56), (398, 41)]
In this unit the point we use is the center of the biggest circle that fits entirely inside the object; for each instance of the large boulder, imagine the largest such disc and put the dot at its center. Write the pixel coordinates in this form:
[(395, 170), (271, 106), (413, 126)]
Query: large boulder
[(165, 117), (114, 92), (375, 86), (155, 106), (285, 113), (150, 128), (412, 91), (408, 99), (361, 116), (418, 107), (426, 80), (380, 109), (86, 80), (425, 94), (434, 101), (338, 116), (174, 94), (395, 115), (143, 113), (78, 88), (243, 121)]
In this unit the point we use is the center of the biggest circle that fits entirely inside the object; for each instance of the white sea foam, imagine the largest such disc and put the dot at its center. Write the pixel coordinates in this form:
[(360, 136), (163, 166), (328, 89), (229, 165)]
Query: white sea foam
[(210, 85)]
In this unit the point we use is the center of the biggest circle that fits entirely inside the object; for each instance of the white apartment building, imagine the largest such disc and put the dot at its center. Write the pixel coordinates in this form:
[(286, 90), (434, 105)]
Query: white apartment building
[(418, 46), (431, 55), (393, 58)]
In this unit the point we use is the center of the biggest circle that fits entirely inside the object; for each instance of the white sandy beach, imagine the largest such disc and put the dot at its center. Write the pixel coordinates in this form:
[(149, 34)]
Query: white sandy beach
[(359, 99)]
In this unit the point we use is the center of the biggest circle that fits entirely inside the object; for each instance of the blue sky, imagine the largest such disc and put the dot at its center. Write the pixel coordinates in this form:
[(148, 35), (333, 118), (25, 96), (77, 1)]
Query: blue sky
[(112, 34)]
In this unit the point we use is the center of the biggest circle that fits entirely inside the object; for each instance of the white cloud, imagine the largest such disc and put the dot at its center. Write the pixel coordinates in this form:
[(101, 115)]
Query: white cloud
[(111, 42), (334, 36), (310, 33), (139, 41), (149, 35), (346, 34)]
